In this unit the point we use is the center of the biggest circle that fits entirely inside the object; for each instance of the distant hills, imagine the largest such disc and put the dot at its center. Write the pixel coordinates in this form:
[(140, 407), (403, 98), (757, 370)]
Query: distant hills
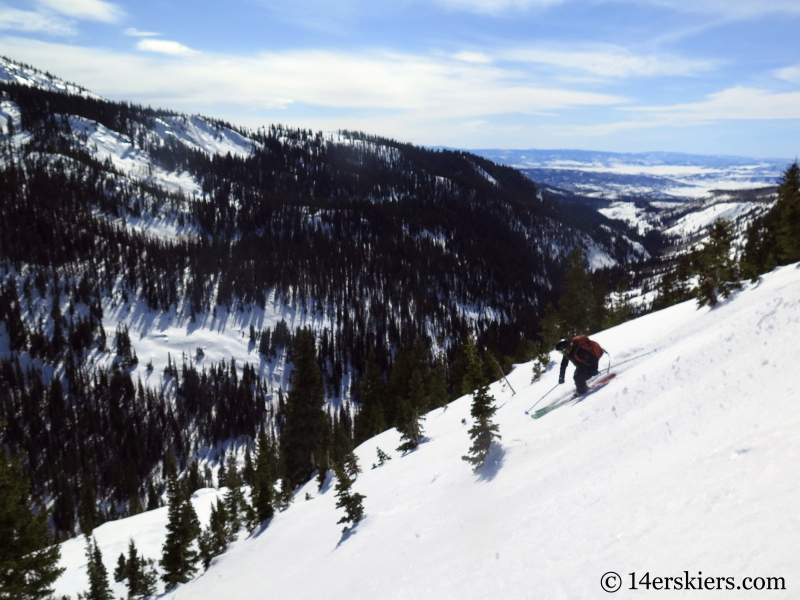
[(636, 176)]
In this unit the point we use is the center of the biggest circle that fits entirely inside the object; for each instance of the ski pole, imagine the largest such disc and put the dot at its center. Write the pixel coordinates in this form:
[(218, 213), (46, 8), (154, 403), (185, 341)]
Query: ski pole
[(497, 364), (540, 399)]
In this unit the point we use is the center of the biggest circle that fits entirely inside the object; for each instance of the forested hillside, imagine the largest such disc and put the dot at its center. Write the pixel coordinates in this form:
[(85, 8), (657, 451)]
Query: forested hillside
[(383, 248)]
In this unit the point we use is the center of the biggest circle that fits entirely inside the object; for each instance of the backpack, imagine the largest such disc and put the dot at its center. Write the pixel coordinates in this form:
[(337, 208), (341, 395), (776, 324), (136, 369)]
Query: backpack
[(583, 341)]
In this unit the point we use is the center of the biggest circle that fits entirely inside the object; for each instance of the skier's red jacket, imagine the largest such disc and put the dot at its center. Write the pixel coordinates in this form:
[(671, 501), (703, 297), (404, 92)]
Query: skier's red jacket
[(584, 354)]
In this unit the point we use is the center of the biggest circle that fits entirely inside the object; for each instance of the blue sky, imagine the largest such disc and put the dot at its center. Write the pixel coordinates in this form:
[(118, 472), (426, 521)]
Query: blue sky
[(700, 76)]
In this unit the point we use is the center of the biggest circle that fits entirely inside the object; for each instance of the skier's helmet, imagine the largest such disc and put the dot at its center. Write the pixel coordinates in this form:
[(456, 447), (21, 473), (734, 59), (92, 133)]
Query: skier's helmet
[(563, 345)]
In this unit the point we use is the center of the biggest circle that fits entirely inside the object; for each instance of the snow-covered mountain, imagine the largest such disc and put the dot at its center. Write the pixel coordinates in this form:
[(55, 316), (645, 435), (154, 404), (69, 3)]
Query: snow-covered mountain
[(653, 175), (683, 466)]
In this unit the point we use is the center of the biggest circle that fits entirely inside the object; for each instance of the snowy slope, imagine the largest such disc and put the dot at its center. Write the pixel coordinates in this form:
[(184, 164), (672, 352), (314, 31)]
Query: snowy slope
[(686, 462), (14, 72), (148, 530)]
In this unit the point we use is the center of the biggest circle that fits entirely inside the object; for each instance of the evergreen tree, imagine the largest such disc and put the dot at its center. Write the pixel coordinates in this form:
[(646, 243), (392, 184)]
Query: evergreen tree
[(179, 558), (351, 466), (576, 306), (193, 479), (87, 508), (718, 272), (305, 419), (370, 420), (352, 502), (248, 473), (382, 458), (121, 570), (285, 495), (412, 413), (787, 231), (28, 566), (234, 504), (215, 538), (98, 576), (263, 491), (674, 285), (774, 239), (483, 432), (139, 572), (152, 496), (553, 328)]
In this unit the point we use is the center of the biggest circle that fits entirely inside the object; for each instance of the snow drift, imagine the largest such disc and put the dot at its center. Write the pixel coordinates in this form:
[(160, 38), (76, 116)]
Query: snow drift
[(687, 461)]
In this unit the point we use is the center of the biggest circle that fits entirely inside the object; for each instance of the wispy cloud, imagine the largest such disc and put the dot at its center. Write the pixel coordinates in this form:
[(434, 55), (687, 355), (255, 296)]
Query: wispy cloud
[(472, 57), (28, 20), (437, 87), (735, 9), (496, 6), (132, 31), (790, 74), (165, 47), (732, 104), (610, 61), (91, 10)]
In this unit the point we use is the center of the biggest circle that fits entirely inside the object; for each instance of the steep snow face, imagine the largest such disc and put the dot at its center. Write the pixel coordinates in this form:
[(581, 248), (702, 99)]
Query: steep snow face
[(12, 72), (635, 216), (703, 219), (106, 144), (198, 133), (687, 461)]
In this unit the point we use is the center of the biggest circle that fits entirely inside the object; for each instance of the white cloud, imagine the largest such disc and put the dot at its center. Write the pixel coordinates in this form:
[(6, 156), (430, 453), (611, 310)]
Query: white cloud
[(790, 74), (28, 20), (732, 104), (736, 9), (92, 10), (472, 57), (132, 31), (610, 61), (428, 87), (496, 6), (165, 47)]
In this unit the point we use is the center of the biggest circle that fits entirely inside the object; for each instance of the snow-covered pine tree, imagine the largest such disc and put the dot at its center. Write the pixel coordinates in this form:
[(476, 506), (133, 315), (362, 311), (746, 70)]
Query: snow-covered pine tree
[(179, 558), (98, 576), (28, 563), (351, 502), (483, 432)]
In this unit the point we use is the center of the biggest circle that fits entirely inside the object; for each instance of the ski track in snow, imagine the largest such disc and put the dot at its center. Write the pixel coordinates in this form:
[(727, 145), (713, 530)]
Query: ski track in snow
[(687, 461)]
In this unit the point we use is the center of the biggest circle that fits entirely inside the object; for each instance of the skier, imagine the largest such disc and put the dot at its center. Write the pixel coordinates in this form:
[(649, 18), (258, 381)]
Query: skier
[(585, 355)]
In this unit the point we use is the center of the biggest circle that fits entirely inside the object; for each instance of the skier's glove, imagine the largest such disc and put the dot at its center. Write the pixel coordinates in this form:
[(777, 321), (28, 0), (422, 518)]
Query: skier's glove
[(560, 380)]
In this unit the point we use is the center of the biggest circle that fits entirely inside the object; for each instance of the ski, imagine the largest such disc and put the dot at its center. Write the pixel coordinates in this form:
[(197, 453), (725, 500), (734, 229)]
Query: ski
[(593, 387)]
